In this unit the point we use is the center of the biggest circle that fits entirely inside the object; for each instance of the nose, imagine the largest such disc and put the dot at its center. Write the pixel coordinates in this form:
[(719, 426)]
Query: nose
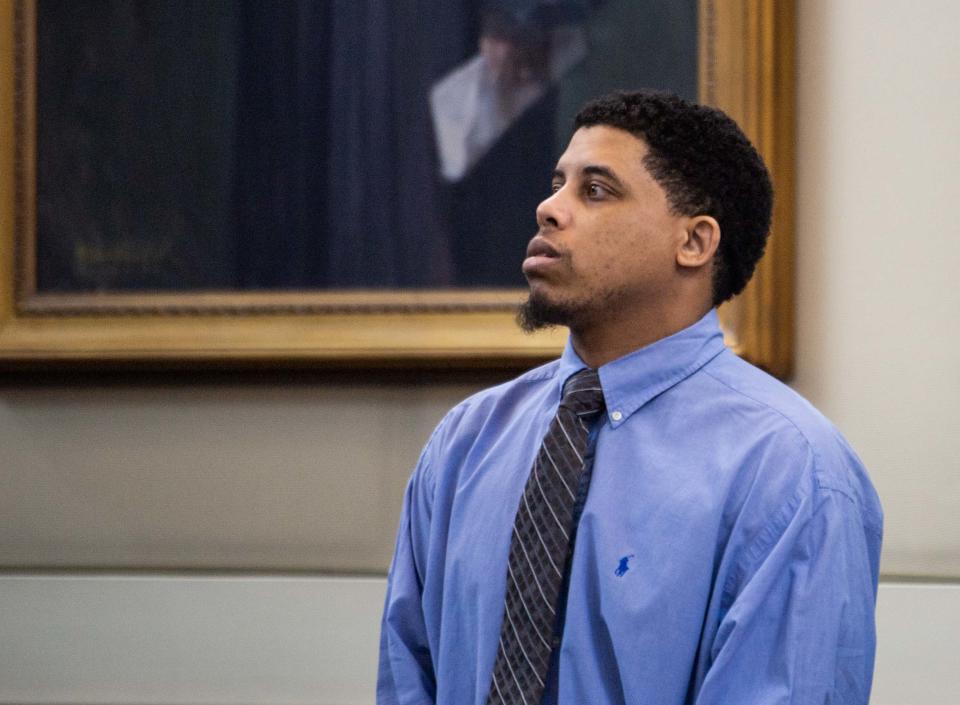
[(553, 212)]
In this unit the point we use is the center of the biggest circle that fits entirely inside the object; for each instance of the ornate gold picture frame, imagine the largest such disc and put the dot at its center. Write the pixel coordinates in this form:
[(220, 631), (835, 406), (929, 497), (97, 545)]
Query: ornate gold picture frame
[(745, 68)]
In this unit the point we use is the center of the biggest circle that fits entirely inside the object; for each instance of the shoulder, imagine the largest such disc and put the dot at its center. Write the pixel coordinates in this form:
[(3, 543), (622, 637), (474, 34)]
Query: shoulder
[(787, 431), (508, 393), (758, 395), (488, 412), (497, 403)]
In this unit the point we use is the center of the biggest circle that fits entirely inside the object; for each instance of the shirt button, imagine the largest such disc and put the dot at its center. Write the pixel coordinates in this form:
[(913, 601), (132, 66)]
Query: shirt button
[(616, 416)]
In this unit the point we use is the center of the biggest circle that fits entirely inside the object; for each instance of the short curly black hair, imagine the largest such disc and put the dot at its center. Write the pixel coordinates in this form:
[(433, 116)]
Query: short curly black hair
[(706, 165)]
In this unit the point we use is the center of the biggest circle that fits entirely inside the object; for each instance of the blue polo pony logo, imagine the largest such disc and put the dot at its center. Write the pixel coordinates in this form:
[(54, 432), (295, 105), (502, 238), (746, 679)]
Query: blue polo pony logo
[(623, 567)]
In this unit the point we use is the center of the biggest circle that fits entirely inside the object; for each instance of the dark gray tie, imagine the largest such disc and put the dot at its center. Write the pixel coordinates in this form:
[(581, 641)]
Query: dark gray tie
[(540, 547)]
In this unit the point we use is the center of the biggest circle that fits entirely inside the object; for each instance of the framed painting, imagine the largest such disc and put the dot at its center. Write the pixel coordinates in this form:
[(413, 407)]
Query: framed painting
[(337, 184)]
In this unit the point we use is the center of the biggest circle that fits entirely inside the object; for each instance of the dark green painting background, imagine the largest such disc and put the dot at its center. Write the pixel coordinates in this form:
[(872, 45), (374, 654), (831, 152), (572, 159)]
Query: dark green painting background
[(243, 145)]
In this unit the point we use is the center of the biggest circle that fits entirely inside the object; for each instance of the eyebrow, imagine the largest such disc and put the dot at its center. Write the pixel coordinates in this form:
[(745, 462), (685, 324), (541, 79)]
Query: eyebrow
[(594, 170)]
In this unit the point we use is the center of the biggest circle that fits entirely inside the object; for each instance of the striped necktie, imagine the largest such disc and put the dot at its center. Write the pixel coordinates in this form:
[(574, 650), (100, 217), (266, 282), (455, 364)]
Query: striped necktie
[(540, 547)]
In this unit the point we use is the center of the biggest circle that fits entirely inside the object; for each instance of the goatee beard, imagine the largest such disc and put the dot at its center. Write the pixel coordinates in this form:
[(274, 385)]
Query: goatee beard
[(537, 312)]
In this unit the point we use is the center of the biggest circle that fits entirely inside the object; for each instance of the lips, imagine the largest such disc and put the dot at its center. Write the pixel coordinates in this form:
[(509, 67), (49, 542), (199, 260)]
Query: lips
[(541, 255), (539, 247)]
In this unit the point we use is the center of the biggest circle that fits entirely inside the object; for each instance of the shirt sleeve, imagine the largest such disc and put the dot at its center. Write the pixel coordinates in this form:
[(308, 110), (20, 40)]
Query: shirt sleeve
[(406, 673), (797, 623)]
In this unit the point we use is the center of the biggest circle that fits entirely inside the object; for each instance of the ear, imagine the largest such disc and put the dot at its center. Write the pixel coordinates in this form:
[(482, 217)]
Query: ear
[(701, 242)]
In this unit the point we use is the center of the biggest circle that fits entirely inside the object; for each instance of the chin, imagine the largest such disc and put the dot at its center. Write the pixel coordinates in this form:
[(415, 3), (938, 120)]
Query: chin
[(538, 312)]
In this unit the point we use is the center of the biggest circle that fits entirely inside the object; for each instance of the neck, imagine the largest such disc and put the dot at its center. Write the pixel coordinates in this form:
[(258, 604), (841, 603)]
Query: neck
[(600, 342)]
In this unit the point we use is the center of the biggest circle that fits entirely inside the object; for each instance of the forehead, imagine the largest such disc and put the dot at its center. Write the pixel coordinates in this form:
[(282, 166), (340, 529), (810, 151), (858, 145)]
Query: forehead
[(606, 146)]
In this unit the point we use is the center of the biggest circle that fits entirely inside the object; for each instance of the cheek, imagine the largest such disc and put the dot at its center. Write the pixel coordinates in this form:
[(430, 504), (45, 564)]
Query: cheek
[(630, 256), (600, 256)]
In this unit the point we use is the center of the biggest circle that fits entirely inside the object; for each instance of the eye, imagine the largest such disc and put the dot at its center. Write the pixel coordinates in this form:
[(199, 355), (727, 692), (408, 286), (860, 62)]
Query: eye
[(555, 186), (596, 191)]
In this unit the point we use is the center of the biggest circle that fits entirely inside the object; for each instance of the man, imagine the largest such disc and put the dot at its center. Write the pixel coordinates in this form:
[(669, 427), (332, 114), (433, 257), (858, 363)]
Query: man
[(676, 527)]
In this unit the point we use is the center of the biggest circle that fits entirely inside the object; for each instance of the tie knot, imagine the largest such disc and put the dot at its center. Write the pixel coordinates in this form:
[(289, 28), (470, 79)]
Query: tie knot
[(582, 393)]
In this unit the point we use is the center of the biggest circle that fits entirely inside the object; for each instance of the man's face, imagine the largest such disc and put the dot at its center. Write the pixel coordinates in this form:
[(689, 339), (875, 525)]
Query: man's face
[(607, 244)]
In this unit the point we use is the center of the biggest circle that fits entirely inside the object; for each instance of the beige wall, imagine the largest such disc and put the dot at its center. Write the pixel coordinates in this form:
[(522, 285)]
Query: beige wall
[(282, 476), (878, 297), (210, 474), (309, 475)]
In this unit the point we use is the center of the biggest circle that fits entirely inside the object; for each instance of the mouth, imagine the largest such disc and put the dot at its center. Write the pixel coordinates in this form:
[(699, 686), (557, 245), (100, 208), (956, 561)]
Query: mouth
[(540, 247), (540, 256)]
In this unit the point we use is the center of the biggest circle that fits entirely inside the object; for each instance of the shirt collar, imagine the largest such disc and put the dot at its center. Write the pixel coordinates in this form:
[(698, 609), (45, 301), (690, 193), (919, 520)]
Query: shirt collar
[(631, 381)]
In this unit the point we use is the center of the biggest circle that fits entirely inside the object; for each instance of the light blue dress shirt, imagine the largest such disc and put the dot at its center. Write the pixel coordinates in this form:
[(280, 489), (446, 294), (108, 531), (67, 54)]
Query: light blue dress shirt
[(727, 552)]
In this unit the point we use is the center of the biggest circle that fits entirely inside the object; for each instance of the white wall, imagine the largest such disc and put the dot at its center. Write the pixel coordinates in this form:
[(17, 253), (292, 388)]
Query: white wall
[(297, 640), (878, 251)]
